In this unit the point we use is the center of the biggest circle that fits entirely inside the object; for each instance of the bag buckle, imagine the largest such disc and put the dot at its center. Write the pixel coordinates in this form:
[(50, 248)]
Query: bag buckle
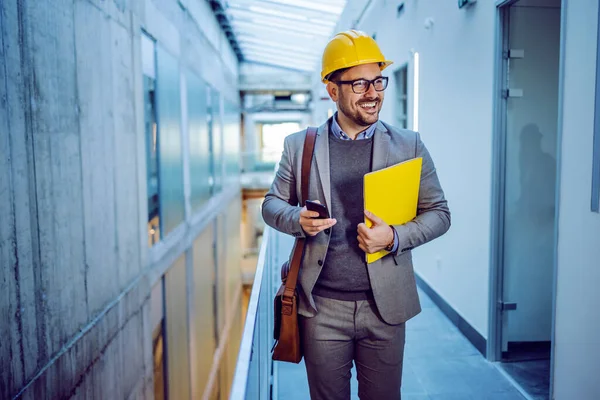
[(286, 305)]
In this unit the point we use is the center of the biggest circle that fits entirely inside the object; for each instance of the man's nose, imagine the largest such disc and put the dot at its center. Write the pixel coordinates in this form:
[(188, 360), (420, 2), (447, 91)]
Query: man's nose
[(371, 92)]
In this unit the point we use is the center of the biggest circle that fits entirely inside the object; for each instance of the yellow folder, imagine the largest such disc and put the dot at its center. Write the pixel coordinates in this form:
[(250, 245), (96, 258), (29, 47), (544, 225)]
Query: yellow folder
[(392, 194)]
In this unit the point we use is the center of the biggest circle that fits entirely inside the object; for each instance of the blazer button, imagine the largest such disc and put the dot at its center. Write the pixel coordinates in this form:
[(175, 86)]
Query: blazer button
[(327, 231), (320, 262)]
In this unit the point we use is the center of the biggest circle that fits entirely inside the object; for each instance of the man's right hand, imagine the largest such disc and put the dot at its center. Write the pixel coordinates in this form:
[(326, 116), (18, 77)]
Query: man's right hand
[(312, 225)]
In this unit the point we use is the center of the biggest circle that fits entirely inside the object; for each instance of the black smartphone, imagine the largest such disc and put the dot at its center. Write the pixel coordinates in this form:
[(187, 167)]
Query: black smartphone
[(320, 208)]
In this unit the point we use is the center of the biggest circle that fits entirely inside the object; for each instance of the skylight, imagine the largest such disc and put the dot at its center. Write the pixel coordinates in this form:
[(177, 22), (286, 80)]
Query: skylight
[(284, 33)]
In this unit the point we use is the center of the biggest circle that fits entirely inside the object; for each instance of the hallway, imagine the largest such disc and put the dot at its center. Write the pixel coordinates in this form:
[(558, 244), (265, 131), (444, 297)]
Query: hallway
[(138, 140)]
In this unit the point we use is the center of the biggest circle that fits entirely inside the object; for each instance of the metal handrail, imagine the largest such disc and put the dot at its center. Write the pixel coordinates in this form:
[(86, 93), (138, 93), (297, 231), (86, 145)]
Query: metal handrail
[(242, 370)]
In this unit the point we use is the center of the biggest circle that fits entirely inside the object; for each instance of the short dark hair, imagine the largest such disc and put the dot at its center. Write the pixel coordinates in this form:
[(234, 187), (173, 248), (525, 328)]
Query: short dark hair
[(336, 75)]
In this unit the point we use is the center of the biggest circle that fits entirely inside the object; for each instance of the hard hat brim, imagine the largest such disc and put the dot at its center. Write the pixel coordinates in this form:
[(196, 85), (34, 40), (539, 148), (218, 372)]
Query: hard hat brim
[(382, 65)]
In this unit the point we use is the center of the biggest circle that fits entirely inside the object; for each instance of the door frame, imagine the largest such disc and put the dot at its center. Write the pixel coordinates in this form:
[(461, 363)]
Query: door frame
[(494, 342)]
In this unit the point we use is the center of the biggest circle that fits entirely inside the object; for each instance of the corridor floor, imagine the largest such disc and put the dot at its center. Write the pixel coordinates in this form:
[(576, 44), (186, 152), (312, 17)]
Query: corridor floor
[(439, 364)]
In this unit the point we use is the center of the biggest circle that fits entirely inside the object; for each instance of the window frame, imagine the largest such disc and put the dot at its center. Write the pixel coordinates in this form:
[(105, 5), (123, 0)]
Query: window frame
[(401, 72), (149, 69)]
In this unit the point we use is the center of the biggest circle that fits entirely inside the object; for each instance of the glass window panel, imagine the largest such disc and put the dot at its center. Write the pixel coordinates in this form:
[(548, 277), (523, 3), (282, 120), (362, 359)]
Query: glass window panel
[(200, 168), (159, 364), (204, 306), (152, 178), (400, 77), (151, 136), (530, 175), (148, 57), (158, 336), (216, 140), (171, 154), (231, 127), (177, 331), (272, 138)]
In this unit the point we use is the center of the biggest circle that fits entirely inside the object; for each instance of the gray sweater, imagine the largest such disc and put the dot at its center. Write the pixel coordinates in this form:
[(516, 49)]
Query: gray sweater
[(344, 275)]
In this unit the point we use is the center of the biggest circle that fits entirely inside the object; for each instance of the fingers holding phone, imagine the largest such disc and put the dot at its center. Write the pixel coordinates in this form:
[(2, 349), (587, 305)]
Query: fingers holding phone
[(314, 218)]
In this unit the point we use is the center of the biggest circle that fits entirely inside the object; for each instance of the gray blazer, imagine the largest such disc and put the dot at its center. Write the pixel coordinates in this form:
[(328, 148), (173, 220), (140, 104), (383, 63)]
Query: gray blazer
[(392, 277)]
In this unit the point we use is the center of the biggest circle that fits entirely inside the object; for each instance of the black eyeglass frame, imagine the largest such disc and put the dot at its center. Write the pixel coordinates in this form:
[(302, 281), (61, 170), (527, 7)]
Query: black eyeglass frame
[(384, 80)]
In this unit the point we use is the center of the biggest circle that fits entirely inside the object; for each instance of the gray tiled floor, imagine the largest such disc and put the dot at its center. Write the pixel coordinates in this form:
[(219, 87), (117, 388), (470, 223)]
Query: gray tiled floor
[(533, 376), (440, 364)]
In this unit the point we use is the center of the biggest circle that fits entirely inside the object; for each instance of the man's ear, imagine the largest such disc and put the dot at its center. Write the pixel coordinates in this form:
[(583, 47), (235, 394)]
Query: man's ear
[(333, 91)]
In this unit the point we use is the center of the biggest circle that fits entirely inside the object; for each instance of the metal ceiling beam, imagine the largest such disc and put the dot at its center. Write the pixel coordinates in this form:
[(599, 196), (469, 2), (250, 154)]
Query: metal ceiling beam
[(218, 8)]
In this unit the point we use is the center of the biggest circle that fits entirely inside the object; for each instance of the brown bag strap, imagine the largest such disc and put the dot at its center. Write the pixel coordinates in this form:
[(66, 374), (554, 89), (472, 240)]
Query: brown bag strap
[(307, 155)]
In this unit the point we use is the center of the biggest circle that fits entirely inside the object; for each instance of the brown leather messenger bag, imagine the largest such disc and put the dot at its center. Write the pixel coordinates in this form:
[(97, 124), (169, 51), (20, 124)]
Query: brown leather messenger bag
[(286, 331)]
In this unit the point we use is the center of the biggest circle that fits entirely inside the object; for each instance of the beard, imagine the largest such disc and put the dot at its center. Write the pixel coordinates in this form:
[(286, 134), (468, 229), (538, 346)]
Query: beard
[(355, 114)]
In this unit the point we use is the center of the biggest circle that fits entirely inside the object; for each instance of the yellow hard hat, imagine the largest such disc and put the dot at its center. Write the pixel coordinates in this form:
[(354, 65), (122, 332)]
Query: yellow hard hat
[(349, 49)]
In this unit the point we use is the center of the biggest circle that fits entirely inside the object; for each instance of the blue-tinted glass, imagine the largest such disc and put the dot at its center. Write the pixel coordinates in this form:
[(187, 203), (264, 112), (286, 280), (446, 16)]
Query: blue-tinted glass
[(170, 152), (231, 135), (217, 140), (200, 168), (177, 329), (151, 133)]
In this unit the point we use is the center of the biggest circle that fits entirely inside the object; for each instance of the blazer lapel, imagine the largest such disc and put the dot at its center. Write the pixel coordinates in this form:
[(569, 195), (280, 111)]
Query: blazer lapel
[(322, 161), (381, 147)]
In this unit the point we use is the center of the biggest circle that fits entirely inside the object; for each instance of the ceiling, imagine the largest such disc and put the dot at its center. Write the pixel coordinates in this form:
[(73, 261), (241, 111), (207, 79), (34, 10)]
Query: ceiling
[(284, 33)]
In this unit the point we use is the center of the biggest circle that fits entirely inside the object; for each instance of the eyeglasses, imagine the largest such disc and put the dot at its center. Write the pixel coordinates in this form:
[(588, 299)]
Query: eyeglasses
[(360, 86)]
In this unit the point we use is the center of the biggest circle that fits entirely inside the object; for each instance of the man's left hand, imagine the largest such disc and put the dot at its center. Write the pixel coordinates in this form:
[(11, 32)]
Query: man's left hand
[(375, 238)]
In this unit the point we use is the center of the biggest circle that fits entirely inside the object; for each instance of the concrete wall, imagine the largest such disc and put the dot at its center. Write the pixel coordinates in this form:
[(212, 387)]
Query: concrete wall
[(75, 268), (456, 57), (577, 323)]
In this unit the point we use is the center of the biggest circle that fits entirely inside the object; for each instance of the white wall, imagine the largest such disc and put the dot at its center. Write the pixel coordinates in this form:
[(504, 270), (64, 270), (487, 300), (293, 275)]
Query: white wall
[(455, 122), (577, 324)]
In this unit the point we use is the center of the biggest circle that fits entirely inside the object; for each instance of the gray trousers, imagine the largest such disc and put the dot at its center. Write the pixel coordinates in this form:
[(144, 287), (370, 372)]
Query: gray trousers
[(347, 331)]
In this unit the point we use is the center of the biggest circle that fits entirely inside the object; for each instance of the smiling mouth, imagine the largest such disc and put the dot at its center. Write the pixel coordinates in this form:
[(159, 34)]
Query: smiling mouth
[(371, 105)]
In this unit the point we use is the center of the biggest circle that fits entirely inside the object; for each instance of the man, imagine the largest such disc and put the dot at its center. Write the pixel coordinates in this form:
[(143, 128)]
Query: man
[(351, 311)]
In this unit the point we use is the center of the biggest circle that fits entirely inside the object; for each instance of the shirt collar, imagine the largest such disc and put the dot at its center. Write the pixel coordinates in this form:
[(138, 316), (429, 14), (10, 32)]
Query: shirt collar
[(338, 133)]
